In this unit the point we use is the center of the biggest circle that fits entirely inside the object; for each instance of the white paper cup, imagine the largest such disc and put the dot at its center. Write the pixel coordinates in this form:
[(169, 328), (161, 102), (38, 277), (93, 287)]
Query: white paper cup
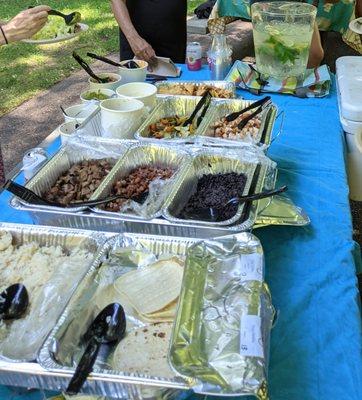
[(78, 112), (107, 92), (144, 92), (120, 118), (133, 74), (67, 130), (93, 85)]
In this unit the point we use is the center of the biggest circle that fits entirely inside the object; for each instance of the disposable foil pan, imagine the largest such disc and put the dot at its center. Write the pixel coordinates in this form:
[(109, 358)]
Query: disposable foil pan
[(160, 226), (224, 107), (208, 163), (48, 236), (169, 107), (68, 155), (169, 86), (106, 381), (222, 329), (143, 155)]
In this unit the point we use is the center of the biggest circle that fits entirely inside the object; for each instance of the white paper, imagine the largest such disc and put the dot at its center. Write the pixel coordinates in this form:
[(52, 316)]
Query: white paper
[(251, 267), (251, 342)]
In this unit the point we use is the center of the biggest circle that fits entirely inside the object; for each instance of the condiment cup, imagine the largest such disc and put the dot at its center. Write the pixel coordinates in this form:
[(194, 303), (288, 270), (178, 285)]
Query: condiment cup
[(107, 92), (110, 85), (78, 112), (67, 129), (121, 117), (133, 74), (144, 92)]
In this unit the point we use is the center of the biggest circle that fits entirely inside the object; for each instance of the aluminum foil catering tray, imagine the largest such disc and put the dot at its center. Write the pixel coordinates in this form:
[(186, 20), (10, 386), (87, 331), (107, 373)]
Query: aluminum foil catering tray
[(47, 299), (169, 107), (179, 88), (222, 328), (73, 152), (222, 108), (214, 163), (61, 352), (145, 155)]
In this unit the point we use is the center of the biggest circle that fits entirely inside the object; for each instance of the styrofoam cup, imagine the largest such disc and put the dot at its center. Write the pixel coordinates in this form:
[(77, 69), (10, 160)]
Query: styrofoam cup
[(121, 117), (67, 129), (78, 112), (108, 92), (93, 85), (142, 91), (133, 74)]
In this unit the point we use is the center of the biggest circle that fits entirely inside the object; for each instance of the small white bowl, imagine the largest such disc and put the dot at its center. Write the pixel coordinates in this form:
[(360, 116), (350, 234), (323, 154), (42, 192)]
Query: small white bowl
[(110, 85), (142, 91), (79, 112), (107, 92), (67, 130), (133, 75)]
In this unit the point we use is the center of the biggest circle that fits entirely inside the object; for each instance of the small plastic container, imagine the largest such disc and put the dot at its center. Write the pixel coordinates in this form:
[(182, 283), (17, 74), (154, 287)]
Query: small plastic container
[(349, 82)]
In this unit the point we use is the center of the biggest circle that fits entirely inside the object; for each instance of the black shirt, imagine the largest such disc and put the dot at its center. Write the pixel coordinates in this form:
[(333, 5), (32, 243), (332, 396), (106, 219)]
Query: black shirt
[(162, 23)]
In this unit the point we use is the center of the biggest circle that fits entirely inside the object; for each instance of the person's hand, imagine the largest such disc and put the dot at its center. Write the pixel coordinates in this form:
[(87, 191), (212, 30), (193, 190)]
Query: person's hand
[(26, 24), (143, 50)]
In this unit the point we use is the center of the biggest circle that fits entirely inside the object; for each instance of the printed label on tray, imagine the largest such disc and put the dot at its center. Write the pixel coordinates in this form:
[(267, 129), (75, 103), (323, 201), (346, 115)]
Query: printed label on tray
[(251, 343), (251, 267)]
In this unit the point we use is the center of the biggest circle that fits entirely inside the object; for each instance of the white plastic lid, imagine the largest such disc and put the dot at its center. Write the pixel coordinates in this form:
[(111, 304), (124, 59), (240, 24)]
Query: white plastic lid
[(349, 78)]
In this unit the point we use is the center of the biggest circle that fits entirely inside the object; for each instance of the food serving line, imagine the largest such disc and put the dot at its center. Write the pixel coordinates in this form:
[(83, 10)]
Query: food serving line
[(316, 341)]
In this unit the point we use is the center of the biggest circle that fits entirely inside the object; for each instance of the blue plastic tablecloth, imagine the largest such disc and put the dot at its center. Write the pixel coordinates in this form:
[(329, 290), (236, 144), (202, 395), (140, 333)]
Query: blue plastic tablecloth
[(316, 346)]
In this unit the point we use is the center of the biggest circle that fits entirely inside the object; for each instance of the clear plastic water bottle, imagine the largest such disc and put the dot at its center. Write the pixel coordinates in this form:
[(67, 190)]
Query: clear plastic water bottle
[(219, 57)]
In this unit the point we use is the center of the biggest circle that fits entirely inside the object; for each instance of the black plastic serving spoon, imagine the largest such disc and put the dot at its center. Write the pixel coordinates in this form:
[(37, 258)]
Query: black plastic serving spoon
[(70, 19), (13, 302), (88, 69), (109, 327), (213, 213)]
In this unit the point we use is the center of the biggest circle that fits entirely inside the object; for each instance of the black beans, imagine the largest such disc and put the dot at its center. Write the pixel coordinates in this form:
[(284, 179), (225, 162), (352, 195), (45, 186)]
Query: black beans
[(215, 190)]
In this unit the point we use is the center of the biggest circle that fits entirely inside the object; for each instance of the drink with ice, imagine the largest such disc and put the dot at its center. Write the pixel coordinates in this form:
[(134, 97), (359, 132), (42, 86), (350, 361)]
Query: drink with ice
[(282, 36)]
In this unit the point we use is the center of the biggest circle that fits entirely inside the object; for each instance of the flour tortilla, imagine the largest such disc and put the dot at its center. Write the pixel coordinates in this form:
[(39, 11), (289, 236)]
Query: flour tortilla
[(144, 351), (152, 288)]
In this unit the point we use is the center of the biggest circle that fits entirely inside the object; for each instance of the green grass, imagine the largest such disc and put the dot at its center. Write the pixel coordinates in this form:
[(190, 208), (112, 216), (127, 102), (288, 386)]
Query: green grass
[(26, 70)]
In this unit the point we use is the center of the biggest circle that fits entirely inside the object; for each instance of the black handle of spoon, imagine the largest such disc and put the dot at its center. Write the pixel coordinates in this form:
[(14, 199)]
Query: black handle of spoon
[(62, 108), (262, 195), (58, 13), (84, 367), (104, 59), (197, 108), (30, 197), (86, 68), (256, 104)]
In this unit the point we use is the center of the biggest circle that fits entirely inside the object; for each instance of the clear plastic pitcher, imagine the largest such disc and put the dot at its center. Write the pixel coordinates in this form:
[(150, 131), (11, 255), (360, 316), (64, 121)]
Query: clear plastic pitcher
[(282, 36)]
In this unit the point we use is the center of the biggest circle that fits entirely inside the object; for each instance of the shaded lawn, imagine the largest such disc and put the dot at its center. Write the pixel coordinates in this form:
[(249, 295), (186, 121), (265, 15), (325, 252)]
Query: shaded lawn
[(26, 69)]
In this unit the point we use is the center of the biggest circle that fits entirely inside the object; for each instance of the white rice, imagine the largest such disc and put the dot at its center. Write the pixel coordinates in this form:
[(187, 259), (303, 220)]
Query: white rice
[(49, 275)]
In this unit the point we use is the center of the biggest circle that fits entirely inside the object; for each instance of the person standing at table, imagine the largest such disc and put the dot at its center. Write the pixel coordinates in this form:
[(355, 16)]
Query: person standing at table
[(23, 26), (152, 27)]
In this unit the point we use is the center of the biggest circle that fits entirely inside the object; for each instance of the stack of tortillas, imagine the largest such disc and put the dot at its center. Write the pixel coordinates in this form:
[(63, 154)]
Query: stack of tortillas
[(144, 351), (153, 291)]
